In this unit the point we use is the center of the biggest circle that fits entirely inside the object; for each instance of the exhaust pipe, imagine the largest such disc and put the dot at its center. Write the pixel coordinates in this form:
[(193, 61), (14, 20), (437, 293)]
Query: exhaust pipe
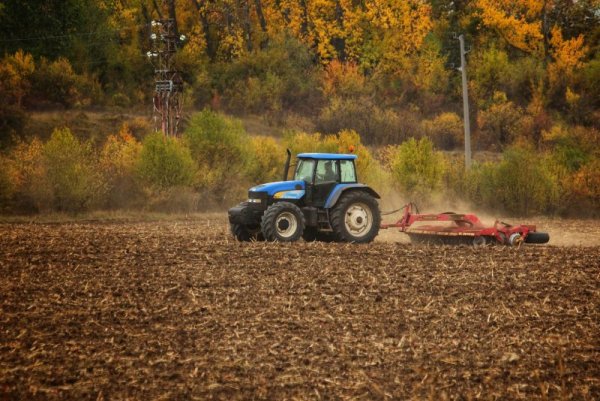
[(286, 169)]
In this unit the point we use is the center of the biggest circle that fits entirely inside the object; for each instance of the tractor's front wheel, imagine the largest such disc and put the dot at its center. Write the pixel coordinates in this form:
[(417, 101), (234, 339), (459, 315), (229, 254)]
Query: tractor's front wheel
[(244, 233), (283, 222), (356, 218)]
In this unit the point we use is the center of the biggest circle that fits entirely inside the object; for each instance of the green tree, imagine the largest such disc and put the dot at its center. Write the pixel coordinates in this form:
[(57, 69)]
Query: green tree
[(74, 181), (165, 163), (417, 168)]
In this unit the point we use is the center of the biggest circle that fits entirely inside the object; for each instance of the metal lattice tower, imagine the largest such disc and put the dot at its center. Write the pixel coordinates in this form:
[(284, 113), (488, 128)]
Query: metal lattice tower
[(168, 84)]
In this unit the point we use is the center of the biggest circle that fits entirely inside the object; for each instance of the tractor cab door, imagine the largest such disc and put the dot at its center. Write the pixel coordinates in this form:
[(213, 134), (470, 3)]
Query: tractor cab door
[(327, 176)]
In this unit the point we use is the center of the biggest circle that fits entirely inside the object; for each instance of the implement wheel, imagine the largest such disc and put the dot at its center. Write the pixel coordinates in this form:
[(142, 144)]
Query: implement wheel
[(283, 222), (356, 218), (537, 238)]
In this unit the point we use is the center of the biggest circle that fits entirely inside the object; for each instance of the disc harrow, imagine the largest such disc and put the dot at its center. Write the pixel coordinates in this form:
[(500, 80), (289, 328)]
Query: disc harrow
[(451, 228)]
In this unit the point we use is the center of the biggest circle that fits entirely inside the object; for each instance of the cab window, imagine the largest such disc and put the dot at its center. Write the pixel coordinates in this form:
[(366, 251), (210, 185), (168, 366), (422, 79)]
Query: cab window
[(327, 171), (347, 170), (304, 171)]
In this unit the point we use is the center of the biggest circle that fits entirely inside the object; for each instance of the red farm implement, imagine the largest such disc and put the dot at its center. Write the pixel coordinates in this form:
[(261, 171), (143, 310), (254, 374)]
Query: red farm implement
[(453, 228)]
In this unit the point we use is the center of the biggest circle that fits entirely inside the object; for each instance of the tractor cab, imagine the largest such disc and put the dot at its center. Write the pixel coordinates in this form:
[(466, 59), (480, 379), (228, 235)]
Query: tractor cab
[(322, 172), (322, 201)]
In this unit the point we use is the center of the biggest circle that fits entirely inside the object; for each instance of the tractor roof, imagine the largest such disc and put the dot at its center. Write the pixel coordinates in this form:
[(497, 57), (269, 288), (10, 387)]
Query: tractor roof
[(326, 156)]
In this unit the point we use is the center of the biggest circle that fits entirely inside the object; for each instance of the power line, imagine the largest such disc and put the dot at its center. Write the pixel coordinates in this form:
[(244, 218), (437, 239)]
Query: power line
[(40, 38)]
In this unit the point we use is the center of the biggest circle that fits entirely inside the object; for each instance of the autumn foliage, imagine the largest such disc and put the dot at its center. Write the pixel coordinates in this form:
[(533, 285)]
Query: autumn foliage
[(378, 73)]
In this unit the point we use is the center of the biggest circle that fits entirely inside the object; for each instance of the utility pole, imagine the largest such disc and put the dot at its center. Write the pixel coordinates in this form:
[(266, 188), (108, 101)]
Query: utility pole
[(465, 91), (168, 84)]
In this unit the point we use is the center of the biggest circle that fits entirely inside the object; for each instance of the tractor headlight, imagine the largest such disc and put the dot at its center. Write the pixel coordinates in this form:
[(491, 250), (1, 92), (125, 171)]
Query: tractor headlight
[(254, 200)]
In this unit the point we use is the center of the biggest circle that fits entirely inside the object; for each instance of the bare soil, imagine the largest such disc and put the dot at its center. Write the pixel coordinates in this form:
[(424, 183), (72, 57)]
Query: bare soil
[(178, 310)]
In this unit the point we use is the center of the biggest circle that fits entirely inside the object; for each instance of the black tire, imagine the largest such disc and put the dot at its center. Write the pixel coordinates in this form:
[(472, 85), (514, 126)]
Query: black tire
[(283, 222), (480, 241), (537, 238), (355, 218), (312, 234), (244, 233)]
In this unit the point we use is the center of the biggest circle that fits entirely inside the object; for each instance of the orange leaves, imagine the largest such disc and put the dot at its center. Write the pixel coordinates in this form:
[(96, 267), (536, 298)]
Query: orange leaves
[(119, 154), (518, 22), (521, 24), (404, 24), (15, 73), (343, 79), (356, 30), (567, 53)]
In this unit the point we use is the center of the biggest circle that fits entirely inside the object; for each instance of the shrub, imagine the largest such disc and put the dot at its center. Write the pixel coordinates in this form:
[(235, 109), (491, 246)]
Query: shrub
[(583, 190), (281, 76), (15, 77), (220, 147), (343, 80), (490, 72), (118, 160), (15, 84), (74, 180), (57, 82), (301, 142), (6, 186), (523, 182), (417, 168), (445, 130), (27, 174), (572, 147), (121, 100), (267, 161), (164, 163), (500, 124), (377, 126)]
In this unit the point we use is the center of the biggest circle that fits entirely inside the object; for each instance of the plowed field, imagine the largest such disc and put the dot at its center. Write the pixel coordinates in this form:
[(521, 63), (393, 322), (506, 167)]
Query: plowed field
[(177, 310)]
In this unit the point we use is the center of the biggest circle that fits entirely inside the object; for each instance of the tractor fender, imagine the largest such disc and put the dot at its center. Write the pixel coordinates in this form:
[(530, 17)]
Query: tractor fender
[(339, 189)]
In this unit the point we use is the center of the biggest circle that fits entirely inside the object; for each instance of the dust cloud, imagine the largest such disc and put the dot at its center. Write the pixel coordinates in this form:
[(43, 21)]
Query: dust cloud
[(562, 231)]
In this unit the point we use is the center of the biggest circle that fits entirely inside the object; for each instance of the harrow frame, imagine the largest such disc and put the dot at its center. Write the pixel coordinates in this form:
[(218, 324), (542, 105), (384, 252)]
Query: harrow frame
[(466, 228)]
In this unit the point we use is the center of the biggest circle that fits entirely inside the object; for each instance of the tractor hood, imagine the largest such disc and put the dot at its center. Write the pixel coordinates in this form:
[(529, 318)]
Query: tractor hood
[(272, 188)]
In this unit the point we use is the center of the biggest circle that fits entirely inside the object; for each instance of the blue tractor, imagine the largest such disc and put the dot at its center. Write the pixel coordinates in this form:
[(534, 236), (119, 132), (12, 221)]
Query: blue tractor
[(323, 202)]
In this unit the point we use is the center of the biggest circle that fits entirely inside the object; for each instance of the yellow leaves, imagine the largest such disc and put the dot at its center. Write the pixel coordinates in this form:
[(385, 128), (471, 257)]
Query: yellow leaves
[(15, 71), (267, 159), (232, 44), (567, 53), (404, 24), (26, 163), (120, 154), (384, 26), (586, 181), (326, 17), (343, 79), (518, 22)]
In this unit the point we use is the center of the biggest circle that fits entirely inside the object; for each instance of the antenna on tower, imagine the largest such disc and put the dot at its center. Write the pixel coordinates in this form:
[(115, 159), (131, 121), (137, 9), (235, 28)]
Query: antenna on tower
[(168, 84)]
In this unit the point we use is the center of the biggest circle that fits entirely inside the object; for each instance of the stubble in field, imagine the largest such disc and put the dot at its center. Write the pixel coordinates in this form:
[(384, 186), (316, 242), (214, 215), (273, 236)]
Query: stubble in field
[(177, 310)]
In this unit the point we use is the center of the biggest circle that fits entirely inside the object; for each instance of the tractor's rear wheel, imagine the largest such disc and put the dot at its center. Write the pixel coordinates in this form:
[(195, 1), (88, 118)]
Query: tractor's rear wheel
[(244, 233), (283, 221), (356, 218)]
